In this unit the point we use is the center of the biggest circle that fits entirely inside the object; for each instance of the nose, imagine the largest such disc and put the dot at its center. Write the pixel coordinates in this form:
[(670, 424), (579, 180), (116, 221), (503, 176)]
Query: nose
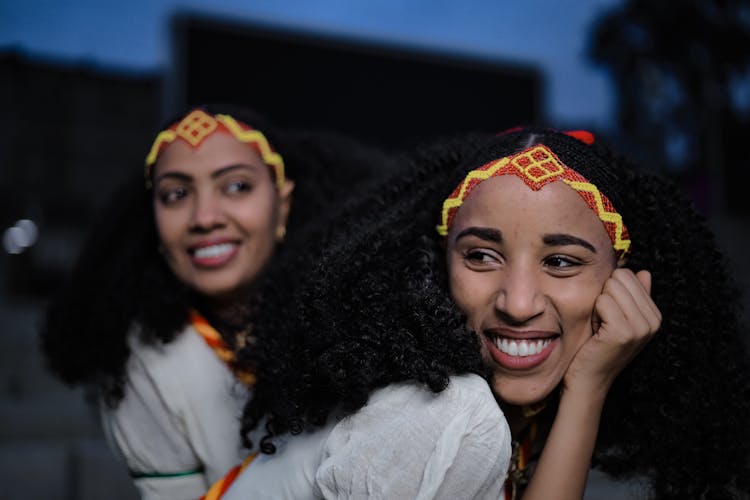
[(207, 212), (519, 294)]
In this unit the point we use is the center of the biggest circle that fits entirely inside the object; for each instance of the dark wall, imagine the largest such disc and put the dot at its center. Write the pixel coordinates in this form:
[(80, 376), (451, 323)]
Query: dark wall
[(384, 93), (69, 135)]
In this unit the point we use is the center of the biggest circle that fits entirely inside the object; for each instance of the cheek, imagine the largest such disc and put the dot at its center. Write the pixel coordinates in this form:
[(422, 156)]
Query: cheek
[(577, 309), (259, 215), (471, 294), (167, 224)]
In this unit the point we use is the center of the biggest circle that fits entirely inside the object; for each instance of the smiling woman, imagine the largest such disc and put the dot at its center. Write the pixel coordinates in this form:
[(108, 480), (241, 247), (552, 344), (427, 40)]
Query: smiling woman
[(144, 320), (531, 284), (587, 288), (533, 249), (219, 213)]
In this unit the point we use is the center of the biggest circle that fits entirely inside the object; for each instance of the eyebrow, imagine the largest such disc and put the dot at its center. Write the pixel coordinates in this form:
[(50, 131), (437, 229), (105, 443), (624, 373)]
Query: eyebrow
[(484, 233), (215, 174), (496, 236), (566, 239)]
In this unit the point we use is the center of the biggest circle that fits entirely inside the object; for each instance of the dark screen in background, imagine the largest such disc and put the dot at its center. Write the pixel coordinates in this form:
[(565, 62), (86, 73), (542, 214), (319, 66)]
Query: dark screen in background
[(385, 93)]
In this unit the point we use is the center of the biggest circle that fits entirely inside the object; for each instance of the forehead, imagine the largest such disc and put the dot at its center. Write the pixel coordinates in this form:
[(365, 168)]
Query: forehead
[(508, 204), (216, 151)]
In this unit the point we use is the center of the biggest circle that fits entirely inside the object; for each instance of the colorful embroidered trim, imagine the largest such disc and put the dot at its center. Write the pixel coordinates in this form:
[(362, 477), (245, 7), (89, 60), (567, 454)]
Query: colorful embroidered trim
[(198, 125), (220, 487), (215, 342), (538, 166), (518, 472)]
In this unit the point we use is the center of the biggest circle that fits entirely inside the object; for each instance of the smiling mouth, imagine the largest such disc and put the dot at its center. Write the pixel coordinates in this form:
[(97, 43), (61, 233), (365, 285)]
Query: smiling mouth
[(213, 251), (213, 256), (520, 350), (521, 347)]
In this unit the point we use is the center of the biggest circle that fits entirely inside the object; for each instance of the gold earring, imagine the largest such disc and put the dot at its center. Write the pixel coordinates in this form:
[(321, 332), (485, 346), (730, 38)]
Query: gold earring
[(280, 233)]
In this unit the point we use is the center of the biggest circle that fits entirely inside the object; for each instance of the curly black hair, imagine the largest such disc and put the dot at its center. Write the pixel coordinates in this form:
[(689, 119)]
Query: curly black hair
[(120, 278), (368, 304), (363, 305)]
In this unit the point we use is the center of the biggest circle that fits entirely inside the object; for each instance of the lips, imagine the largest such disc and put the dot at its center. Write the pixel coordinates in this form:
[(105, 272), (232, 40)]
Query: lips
[(213, 254), (519, 351)]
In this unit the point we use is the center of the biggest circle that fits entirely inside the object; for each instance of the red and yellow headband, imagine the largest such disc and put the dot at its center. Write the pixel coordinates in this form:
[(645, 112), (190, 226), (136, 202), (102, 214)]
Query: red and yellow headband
[(536, 167), (198, 125)]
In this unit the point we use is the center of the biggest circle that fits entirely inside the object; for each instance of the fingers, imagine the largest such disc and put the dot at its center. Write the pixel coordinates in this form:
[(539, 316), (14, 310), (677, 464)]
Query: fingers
[(626, 305), (645, 278), (624, 320), (639, 287)]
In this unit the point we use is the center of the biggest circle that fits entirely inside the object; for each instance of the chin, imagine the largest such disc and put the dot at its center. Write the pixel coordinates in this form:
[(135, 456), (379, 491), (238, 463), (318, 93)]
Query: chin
[(520, 392), (213, 290)]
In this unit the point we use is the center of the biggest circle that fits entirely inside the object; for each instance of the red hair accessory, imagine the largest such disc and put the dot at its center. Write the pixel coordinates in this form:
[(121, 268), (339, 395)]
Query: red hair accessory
[(509, 131), (584, 136)]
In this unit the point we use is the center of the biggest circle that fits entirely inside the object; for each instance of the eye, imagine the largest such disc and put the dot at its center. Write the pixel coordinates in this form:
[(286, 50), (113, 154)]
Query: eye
[(562, 263), (480, 257), (172, 195), (237, 186)]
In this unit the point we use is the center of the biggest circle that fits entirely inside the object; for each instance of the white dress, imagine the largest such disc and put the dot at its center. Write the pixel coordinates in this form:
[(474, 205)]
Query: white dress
[(406, 443), (177, 427)]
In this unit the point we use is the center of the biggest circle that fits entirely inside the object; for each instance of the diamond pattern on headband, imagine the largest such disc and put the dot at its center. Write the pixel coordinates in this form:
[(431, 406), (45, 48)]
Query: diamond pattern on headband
[(196, 126), (537, 165)]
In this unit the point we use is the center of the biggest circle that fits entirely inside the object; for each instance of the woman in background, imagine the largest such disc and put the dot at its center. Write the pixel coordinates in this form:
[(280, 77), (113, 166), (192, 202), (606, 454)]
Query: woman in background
[(144, 318)]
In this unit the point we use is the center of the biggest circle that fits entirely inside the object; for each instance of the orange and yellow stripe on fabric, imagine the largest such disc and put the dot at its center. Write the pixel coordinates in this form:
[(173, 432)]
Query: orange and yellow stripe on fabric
[(221, 486), (537, 166), (198, 125), (518, 476), (213, 338)]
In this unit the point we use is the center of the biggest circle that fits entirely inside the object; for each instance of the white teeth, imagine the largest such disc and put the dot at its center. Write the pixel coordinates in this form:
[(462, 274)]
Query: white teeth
[(521, 348), (213, 250), (513, 348)]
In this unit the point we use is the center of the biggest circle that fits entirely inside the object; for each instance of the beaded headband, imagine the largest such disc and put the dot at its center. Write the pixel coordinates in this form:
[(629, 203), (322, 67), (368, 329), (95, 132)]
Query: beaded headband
[(536, 167), (198, 125)]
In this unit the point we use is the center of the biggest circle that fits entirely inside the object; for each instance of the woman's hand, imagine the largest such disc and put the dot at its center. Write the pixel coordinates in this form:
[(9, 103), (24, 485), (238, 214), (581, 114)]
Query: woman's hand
[(625, 318)]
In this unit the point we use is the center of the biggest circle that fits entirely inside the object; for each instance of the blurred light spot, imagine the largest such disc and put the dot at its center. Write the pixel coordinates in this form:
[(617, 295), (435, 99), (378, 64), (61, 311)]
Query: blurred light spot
[(30, 228), (21, 236), (11, 240)]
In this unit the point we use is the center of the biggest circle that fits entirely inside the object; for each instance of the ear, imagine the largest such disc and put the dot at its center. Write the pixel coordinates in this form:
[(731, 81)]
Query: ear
[(285, 205)]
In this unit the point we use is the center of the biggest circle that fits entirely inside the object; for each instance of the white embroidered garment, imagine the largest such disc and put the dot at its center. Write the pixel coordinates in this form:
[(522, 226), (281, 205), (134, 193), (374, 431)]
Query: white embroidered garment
[(406, 443), (178, 424)]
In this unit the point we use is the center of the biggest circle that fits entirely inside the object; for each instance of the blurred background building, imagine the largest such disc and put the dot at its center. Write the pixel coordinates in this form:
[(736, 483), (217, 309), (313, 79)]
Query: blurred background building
[(84, 86)]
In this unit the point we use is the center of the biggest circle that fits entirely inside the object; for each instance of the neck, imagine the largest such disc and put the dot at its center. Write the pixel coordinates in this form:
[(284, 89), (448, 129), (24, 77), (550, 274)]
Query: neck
[(516, 420), (227, 310), (521, 417)]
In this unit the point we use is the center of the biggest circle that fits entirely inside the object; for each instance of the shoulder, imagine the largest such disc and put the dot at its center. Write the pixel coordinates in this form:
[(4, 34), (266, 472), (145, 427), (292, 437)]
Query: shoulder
[(468, 392), (409, 442), (465, 414), (186, 349), (185, 369)]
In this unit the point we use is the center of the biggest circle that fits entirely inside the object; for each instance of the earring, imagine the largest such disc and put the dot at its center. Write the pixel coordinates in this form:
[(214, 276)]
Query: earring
[(280, 233)]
